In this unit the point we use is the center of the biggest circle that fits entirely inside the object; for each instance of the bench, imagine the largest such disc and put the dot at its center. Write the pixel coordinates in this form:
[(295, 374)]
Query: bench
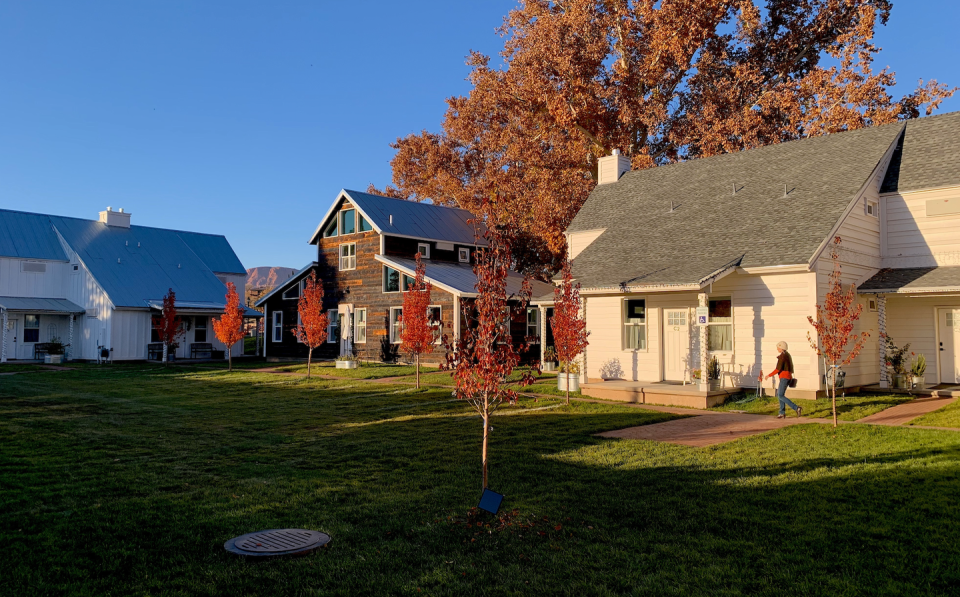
[(204, 348), (155, 351), (40, 350)]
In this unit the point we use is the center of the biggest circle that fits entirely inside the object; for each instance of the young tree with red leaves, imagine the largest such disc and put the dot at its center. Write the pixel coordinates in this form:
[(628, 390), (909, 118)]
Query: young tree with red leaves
[(418, 334), (312, 327), (229, 327), (569, 329), (168, 324), (483, 356), (834, 325)]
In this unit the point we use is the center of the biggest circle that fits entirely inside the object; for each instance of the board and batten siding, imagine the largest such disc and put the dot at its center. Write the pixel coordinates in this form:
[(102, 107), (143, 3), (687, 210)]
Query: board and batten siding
[(914, 239), (14, 281)]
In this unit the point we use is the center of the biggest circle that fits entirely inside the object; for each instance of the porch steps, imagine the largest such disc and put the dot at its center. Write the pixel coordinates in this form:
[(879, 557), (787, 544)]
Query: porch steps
[(665, 394)]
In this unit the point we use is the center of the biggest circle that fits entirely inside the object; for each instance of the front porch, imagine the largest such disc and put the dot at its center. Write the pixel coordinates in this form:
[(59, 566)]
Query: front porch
[(658, 392)]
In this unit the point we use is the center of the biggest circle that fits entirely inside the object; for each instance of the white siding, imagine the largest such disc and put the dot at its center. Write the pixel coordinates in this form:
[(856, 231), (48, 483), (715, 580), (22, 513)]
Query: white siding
[(48, 284), (914, 321), (130, 334), (915, 240)]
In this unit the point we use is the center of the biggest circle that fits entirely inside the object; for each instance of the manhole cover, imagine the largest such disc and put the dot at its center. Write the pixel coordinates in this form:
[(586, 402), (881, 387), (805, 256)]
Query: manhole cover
[(277, 542)]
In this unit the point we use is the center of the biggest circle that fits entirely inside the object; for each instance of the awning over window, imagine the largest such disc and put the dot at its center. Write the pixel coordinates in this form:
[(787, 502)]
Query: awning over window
[(913, 280), (39, 305)]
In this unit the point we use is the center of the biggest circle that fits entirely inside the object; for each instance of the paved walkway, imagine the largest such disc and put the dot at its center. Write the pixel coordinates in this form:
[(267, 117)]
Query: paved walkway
[(709, 430), (904, 413)]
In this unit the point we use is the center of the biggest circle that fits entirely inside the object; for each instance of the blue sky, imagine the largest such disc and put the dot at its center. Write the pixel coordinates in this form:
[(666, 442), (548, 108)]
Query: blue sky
[(246, 118)]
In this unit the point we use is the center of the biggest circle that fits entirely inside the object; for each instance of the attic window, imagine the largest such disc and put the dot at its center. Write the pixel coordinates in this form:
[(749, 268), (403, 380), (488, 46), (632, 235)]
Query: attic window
[(365, 225), (348, 221), (331, 230), (293, 292), (872, 208)]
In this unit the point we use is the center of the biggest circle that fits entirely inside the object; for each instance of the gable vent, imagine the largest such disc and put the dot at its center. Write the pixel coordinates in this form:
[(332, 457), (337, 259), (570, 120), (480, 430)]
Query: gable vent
[(33, 266)]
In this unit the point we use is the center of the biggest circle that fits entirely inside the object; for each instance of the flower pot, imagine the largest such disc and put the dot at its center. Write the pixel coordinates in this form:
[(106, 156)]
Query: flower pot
[(549, 366), (899, 382), (53, 359), (703, 386), (568, 381), (919, 383), (346, 364)]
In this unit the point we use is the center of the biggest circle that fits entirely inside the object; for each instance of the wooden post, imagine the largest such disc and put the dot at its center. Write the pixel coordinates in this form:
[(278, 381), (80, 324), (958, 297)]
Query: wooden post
[(68, 353), (702, 301), (882, 329), (3, 343)]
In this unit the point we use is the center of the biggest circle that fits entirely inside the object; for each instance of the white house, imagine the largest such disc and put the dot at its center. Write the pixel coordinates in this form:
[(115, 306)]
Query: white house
[(746, 235), (96, 284)]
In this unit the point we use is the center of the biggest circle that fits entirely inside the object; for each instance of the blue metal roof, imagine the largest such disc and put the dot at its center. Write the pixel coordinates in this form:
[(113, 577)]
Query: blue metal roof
[(459, 278), (28, 236), (39, 305), (215, 251)]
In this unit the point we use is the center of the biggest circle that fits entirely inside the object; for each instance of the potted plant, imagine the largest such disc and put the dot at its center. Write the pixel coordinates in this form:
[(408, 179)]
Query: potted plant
[(713, 374), (346, 361), (897, 362), (55, 350), (569, 378), (549, 359), (918, 370), (172, 351)]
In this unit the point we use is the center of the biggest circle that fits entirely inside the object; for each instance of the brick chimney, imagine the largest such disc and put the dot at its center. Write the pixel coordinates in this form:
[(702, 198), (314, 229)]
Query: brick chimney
[(115, 218), (612, 167)]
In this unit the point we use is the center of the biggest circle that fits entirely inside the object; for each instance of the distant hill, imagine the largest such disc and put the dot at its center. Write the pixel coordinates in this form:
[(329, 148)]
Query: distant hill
[(268, 277)]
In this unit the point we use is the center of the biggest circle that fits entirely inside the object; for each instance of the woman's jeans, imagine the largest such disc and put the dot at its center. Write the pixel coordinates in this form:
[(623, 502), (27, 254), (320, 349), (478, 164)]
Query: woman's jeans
[(782, 396)]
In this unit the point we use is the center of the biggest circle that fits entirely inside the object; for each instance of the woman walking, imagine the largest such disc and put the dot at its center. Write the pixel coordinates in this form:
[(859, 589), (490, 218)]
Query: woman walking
[(785, 371)]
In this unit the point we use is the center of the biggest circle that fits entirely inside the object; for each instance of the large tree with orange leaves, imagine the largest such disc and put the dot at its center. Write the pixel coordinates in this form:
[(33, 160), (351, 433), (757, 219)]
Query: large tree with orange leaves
[(312, 325), (661, 81), (419, 333), (229, 327)]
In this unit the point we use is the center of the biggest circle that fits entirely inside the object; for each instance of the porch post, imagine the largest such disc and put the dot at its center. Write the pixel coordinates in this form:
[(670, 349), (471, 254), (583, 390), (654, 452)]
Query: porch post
[(69, 351), (882, 326), (3, 343), (702, 301), (542, 314)]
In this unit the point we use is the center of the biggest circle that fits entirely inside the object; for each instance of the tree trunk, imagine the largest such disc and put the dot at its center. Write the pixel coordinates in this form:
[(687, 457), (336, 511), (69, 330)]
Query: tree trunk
[(417, 358), (486, 431), (833, 393), (164, 354), (229, 358), (309, 359)]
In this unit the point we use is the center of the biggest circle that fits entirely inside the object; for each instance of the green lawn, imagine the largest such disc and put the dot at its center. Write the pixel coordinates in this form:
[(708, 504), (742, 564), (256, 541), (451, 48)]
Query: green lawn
[(948, 416), (19, 367), (127, 481), (849, 408), (364, 371)]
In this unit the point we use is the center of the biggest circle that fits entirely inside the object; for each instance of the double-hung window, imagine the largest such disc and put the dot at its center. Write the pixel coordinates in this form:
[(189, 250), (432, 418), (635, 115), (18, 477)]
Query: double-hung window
[(348, 256), (533, 323), (31, 328), (360, 326), (396, 324), (200, 329), (278, 326), (635, 324), (720, 324), (348, 221), (333, 324), (434, 317)]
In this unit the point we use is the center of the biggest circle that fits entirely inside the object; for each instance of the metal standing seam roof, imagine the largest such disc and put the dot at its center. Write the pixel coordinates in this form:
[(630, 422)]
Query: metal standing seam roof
[(913, 279), (39, 305), (927, 157), (296, 277), (410, 218), (459, 278), (681, 223), (28, 236)]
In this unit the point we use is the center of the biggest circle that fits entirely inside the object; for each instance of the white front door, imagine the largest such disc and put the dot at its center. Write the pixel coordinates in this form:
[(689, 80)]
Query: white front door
[(345, 325), (12, 339), (949, 345), (676, 344)]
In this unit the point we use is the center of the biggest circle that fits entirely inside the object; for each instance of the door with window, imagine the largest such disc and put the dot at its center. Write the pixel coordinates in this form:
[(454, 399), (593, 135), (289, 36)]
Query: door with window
[(12, 339), (344, 316), (676, 344), (949, 324)]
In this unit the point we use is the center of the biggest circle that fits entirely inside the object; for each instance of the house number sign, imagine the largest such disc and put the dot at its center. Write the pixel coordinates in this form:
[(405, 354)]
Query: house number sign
[(703, 315)]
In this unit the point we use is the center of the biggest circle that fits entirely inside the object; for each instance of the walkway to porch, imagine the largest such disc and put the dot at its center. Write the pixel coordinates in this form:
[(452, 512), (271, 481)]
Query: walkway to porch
[(663, 393)]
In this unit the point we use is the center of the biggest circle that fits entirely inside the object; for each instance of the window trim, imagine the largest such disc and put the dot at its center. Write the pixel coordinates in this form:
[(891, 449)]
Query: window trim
[(277, 326), (729, 323), (424, 254), (463, 254), (340, 253), (332, 322), (623, 325), (340, 215), (356, 326), (197, 328), (399, 280), (299, 288), (875, 205), (390, 322)]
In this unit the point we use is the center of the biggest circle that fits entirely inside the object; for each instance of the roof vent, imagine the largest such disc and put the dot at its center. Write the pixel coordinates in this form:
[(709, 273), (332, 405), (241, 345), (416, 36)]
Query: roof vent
[(612, 167), (118, 219), (391, 219), (673, 207)]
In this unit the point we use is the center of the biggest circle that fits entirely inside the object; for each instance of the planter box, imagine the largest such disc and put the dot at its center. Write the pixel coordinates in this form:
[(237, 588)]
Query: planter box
[(919, 383), (346, 364), (53, 359), (568, 381), (548, 367)]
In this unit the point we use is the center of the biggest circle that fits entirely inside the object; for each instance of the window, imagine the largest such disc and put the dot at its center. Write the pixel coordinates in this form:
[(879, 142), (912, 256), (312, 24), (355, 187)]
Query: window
[(635, 324), (678, 318), (720, 325), (154, 335), (331, 228), (872, 208), (391, 280), (360, 326), (348, 221), (872, 305), (31, 328), (365, 225), (396, 324), (464, 255), (200, 329), (333, 326), (293, 292), (407, 282), (348, 256), (949, 315), (434, 316), (424, 250), (533, 323), (278, 326)]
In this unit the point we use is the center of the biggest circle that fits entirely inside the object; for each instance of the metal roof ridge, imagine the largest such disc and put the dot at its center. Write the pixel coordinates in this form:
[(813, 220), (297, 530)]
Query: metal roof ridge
[(348, 191)]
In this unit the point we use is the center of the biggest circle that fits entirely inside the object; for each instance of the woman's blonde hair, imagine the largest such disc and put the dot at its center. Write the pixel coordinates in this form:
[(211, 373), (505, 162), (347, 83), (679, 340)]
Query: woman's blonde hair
[(782, 345)]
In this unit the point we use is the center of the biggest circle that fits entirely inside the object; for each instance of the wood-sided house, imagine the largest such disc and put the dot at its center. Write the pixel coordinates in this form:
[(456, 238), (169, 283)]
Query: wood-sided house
[(747, 236), (366, 250)]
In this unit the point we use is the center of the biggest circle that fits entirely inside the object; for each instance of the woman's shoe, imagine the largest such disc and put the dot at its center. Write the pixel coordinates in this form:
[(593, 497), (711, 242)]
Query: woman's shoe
[(799, 411), (780, 416)]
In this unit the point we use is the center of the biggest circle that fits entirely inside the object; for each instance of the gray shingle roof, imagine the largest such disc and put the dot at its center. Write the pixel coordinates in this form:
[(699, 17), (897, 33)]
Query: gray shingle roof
[(647, 245), (928, 156), (914, 279), (459, 277)]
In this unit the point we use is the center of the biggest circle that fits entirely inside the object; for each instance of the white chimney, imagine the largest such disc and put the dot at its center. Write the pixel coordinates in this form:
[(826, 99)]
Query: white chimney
[(612, 167), (115, 218)]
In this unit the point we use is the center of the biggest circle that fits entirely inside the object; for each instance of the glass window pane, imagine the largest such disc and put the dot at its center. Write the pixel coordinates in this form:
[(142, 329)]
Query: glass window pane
[(720, 311), (365, 226), (720, 337), (391, 280), (636, 311), (349, 221), (331, 229), (31, 321), (407, 282), (636, 338)]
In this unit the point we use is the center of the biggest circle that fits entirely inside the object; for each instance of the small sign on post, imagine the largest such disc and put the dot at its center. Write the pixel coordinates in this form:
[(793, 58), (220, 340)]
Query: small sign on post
[(703, 315)]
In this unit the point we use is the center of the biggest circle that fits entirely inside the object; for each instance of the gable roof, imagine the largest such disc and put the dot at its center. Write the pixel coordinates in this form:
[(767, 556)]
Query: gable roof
[(409, 218), (151, 260), (646, 244), (927, 157), (299, 275)]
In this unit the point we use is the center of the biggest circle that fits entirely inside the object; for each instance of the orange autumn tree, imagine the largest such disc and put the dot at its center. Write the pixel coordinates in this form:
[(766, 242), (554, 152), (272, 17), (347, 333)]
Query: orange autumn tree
[(662, 82), (834, 325), (168, 324), (418, 334), (312, 327), (229, 327), (569, 329)]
